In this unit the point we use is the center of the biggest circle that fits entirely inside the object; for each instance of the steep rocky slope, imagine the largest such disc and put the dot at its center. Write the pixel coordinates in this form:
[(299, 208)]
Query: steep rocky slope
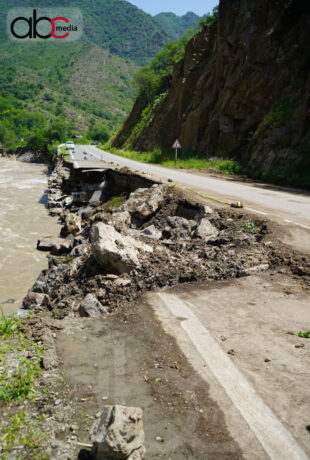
[(242, 90)]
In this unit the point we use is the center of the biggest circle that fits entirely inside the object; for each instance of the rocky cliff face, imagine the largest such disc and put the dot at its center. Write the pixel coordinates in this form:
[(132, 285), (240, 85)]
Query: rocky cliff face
[(243, 89)]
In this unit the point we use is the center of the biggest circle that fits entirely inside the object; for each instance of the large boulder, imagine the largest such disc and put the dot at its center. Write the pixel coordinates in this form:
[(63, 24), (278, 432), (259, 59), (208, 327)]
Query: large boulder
[(47, 243), (206, 230), (72, 225), (34, 300), (145, 201), (120, 220), (80, 250), (56, 245), (91, 306), (118, 434), (151, 232), (53, 275), (181, 227), (114, 252), (63, 246)]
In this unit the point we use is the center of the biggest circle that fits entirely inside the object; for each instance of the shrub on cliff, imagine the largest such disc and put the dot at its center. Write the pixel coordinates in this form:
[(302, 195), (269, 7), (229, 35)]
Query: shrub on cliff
[(156, 77), (209, 18)]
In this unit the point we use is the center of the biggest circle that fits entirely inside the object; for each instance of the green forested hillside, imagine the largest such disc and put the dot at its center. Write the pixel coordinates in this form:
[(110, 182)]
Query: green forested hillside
[(78, 83), (177, 25), (84, 86), (115, 25)]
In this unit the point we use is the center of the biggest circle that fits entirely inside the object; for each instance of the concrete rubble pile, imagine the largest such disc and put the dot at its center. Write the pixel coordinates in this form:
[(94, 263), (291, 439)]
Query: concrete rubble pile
[(154, 237)]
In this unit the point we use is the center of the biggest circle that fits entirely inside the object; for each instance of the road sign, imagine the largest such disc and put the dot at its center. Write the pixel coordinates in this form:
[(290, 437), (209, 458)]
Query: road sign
[(177, 144)]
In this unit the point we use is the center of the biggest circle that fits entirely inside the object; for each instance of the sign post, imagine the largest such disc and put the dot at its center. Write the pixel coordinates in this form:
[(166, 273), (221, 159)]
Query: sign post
[(176, 146)]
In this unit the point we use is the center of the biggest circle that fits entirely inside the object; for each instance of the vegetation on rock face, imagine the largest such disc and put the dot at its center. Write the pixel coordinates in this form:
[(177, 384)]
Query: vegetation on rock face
[(282, 110), (155, 78), (209, 18)]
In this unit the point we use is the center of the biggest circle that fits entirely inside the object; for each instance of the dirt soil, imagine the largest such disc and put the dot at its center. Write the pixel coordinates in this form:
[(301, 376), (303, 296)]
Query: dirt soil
[(129, 360)]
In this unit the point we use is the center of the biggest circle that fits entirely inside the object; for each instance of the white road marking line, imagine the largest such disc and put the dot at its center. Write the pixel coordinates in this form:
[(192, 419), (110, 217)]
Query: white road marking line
[(274, 437), (258, 212), (298, 225), (303, 226)]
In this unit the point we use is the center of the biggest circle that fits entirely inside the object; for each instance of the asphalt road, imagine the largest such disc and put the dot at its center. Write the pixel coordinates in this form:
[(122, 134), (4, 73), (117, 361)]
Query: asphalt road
[(226, 333), (278, 203)]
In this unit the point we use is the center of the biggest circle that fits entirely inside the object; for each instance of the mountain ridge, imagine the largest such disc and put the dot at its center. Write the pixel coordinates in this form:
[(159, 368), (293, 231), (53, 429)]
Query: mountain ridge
[(177, 25)]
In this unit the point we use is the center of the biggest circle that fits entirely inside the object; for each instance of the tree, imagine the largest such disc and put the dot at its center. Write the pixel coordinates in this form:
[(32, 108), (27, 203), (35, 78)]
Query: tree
[(99, 133), (3, 134), (57, 131), (156, 77), (8, 138), (209, 18)]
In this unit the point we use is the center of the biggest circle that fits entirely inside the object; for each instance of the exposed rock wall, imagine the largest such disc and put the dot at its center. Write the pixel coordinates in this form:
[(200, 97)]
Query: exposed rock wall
[(243, 88)]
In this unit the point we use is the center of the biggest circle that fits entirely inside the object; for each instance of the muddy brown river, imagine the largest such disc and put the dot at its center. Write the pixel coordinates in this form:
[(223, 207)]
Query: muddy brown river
[(23, 219)]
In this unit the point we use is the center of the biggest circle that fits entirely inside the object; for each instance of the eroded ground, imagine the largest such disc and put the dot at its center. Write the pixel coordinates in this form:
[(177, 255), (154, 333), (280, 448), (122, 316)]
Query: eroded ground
[(108, 337)]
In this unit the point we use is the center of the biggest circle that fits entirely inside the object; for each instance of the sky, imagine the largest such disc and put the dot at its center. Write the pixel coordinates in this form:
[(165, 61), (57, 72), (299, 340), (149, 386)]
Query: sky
[(178, 7)]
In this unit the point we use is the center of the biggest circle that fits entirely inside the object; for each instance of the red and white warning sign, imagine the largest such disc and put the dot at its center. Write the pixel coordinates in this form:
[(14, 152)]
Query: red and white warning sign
[(177, 144)]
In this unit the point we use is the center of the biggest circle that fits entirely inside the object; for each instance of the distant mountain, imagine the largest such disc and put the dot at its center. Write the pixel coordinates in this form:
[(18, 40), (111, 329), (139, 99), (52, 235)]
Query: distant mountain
[(177, 25), (115, 25), (87, 82), (79, 81)]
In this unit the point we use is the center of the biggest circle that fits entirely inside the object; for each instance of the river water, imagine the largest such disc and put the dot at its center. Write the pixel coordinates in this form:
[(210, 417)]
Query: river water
[(23, 219)]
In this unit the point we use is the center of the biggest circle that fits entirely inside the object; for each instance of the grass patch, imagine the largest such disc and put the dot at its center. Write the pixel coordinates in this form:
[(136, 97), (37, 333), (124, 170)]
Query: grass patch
[(23, 432), (187, 160), (282, 111), (249, 227), (116, 201), (20, 432), (304, 335), (55, 261), (8, 325), (19, 360), (64, 153)]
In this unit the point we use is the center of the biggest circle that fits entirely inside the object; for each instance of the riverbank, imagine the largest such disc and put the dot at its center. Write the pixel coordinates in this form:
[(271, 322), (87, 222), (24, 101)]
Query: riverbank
[(103, 337)]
